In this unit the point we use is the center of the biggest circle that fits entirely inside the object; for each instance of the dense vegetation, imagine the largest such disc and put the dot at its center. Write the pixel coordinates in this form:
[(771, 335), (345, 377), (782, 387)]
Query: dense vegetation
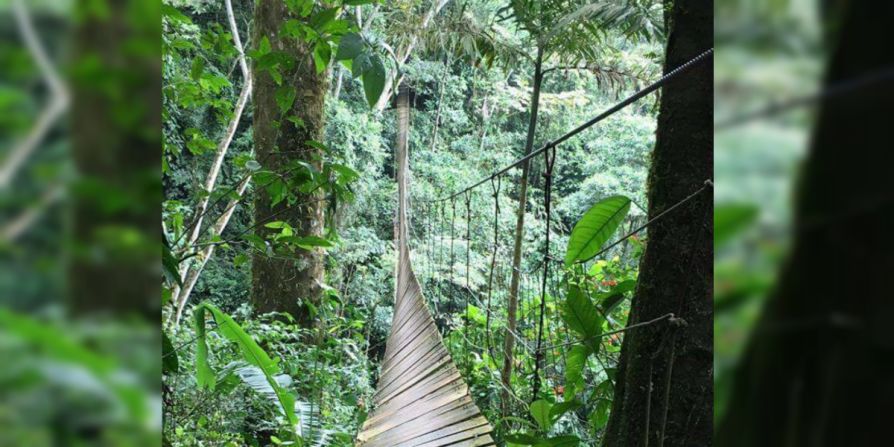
[(312, 197)]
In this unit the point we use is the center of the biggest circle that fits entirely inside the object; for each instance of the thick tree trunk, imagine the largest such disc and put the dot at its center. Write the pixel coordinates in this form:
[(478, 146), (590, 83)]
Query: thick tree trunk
[(664, 393), (512, 306), (107, 271), (819, 368), (284, 283)]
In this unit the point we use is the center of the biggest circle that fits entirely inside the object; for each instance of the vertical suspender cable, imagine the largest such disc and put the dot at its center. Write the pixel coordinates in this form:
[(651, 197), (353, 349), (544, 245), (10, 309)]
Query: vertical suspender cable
[(452, 239), (550, 156), (495, 184)]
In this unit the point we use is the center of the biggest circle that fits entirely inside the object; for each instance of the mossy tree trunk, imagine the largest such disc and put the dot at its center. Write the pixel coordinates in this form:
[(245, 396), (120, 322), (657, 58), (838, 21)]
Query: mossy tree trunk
[(819, 368), (663, 393), (285, 283)]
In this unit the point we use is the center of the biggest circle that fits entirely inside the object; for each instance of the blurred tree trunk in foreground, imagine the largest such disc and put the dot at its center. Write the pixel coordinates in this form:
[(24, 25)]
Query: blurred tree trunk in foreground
[(819, 368), (663, 393), (283, 283), (116, 147)]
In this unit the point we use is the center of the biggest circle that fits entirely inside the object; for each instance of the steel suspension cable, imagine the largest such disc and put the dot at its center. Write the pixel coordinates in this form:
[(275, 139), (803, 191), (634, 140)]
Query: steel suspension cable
[(468, 265), (440, 251), (701, 58), (468, 239)]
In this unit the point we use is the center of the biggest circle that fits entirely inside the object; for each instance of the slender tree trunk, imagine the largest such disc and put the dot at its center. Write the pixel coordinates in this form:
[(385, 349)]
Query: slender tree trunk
[(819, 368), (664, 393), (219, 156), (437, 126), (195, 270), (512, 307), (284, 283), (485, 118), (59, 98), (338, 81)]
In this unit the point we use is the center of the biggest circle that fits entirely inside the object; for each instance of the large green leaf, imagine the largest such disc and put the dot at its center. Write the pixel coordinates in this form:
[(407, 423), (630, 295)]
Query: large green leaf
[(349, 47), (522, 439), (537, 441), (540, 411), (581, 316), (374, 80), (285, 97), (170, 263), (592, 231), (204, 373), (730, 219), (575, 361), (170, 363), (322, 55), (599, 417), (251, 353), (53, 346), (613, 297), (559, 441), (559, 409)]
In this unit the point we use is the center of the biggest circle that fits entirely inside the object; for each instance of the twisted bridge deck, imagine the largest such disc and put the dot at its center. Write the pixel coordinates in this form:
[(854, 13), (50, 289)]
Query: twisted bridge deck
[(421, 399)]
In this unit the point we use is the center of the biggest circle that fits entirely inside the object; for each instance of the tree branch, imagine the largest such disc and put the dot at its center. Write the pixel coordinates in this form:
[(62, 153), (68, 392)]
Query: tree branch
[(58, 101)]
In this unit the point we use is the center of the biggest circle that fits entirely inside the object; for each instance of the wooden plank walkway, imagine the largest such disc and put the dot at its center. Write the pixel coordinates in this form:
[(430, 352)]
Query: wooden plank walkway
[(421, 399)]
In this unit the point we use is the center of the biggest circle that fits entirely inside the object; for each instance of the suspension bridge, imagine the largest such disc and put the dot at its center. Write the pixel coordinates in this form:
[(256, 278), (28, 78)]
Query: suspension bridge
[(421, 398)]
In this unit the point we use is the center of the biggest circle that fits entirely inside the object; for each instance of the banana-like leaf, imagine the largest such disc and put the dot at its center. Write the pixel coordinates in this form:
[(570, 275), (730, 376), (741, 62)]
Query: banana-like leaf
[(251, 353)]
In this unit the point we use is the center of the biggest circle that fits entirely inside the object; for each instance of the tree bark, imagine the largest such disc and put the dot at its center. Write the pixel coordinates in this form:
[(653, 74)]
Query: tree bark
[(819, 367), (664, 392), (512, 306), (284, 283)]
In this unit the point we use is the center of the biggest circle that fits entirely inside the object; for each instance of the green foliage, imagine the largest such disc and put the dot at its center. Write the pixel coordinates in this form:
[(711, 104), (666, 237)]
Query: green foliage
[(730, 219), (542, 441), (106, 369), (251, 353), (598, 224), (373, 73), (480, 113), (581, 316)]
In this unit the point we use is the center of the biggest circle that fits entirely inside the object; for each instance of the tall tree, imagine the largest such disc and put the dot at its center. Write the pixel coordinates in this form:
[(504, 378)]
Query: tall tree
[(818, 368), (561, 31), (289, 93), (663, 393)]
